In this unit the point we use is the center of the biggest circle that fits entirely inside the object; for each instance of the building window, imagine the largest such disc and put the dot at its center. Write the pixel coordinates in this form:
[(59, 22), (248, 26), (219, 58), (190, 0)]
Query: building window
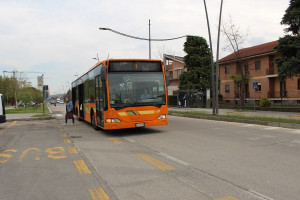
[(169, 62), (258, 87), (179, 72), (171, 74), (227, 88), (257, 65), (298, 83), (227, 69), (246, 68)]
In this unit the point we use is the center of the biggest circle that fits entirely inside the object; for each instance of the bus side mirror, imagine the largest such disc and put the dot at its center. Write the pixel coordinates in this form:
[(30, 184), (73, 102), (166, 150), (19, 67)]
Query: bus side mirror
[(167, 80), (103, 73)]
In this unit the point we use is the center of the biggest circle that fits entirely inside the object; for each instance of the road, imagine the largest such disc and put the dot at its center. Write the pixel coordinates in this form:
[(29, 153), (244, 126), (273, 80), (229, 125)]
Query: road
[(188, 159)]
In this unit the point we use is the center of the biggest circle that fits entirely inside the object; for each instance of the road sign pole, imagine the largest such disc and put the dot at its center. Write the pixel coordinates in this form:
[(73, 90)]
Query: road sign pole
[(254, 98)]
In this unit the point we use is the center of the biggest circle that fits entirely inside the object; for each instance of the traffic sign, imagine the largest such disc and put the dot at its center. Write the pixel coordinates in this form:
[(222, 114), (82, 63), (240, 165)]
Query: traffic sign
[(255, 85)]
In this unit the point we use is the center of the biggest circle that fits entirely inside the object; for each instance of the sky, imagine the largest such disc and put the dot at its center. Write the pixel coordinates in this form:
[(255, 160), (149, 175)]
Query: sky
[(60, 38)]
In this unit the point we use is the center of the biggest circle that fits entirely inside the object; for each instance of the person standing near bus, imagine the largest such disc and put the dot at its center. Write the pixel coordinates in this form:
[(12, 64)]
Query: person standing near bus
[(69, 110)]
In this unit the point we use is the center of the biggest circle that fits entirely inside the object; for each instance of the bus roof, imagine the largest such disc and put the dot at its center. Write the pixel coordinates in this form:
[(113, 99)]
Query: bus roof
[(118, 59)]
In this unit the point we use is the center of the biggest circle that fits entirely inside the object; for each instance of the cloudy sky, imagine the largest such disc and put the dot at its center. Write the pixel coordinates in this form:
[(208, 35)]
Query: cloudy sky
[(60, 38)]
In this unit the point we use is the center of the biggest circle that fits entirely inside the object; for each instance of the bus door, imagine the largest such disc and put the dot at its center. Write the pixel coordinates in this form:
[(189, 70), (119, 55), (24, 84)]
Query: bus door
[(81, 98), (99, 101)]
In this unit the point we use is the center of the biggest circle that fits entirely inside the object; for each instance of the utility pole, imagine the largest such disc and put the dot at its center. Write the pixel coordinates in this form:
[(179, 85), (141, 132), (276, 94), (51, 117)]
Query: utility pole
[(214, 77), (217, 61), (212, 63), (149, 41)]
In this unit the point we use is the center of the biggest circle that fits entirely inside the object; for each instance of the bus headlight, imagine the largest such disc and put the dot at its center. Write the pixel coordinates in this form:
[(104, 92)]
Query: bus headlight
[(112, 120), (162, 117)]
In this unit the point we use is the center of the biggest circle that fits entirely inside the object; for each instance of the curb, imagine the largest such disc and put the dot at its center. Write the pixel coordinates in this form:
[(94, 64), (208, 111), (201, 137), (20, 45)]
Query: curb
[(246, 121), (30, 119)]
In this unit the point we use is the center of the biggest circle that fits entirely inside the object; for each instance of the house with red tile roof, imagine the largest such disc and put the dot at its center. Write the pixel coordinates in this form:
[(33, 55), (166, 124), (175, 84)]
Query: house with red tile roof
[(258, 63), (174, 67)]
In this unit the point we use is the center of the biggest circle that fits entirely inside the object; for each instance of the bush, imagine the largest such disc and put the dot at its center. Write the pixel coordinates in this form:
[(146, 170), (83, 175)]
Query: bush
[(264, 102)]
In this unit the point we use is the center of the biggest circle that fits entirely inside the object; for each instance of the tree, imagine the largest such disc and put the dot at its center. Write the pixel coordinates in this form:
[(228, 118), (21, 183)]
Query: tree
[(289, 45), (235, 40), (197, 63)]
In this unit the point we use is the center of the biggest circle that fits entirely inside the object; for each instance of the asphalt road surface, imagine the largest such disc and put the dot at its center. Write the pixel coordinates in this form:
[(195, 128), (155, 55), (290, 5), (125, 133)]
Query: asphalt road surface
[(188, 159)]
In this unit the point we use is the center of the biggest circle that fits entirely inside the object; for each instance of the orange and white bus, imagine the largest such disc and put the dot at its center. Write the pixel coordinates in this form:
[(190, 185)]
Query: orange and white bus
[(122, 93)]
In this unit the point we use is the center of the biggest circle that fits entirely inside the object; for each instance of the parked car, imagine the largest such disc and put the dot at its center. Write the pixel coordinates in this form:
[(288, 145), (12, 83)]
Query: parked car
[(61, 102), (30, 104)]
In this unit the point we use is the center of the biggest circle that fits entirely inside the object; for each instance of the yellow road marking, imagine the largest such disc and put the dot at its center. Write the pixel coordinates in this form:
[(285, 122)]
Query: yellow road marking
[(5, 155), (72, 150), (115, 140), (82, 167), (67, 141), (37, 156), (156, 163), (7, 127), (227, 198), (56, 152), (99, 194), (64, 135)]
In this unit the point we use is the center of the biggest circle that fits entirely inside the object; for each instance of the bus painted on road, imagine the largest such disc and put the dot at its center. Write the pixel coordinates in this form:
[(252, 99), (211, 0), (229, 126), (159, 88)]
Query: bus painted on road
[(2, 109), (122, 93)]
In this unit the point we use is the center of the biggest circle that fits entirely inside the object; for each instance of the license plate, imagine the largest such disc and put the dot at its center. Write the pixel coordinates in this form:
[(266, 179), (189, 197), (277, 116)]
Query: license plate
[(140, 125)]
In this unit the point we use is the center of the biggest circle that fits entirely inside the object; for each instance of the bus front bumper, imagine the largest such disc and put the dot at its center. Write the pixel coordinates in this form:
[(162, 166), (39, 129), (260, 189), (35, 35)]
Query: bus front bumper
[(112, 126)]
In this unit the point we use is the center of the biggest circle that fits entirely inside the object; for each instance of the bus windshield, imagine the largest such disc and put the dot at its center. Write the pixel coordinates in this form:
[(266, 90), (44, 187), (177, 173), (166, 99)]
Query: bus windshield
[(128, 89)]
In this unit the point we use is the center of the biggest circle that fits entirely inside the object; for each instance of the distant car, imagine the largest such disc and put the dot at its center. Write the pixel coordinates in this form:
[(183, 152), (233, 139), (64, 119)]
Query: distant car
[(52, 101), (30, 104), (61, 102)]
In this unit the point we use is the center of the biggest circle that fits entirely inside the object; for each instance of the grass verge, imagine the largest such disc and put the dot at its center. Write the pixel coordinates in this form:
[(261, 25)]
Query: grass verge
[(266, 119), (22, 110)]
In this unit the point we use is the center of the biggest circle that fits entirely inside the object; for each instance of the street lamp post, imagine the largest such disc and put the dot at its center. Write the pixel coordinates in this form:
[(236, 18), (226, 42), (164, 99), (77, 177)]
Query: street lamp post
[(215, 78), (139, 38)]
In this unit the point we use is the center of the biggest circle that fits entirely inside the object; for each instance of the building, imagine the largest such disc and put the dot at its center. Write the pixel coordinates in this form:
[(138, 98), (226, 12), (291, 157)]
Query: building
[(258, 63), (174, 67)]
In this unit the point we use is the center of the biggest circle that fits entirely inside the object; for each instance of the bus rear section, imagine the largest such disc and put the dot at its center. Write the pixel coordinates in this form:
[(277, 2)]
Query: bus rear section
[(2, 109)]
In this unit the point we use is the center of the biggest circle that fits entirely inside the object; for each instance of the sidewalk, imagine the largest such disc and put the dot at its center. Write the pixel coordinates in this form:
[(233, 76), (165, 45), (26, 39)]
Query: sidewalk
[(25, 117), (248, 113), (270, 114)]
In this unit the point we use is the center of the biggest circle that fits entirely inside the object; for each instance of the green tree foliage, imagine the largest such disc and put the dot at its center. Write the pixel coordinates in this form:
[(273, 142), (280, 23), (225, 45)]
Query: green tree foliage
[(264, 102), (289, 45), (7, 87), (197, 63)]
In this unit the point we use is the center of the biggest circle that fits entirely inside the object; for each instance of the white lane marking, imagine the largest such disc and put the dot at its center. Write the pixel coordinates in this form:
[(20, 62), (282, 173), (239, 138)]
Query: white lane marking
[(50, 110), (268, 136), (59, 115), (247, 125), (254, 138), (173, 159), (259, 195), (271, 128), (296, 132), (128, 139), (296, 141)]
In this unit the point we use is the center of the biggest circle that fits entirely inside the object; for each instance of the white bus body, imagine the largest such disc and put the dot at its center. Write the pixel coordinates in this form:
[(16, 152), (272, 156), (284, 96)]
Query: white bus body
[(2, 109)]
